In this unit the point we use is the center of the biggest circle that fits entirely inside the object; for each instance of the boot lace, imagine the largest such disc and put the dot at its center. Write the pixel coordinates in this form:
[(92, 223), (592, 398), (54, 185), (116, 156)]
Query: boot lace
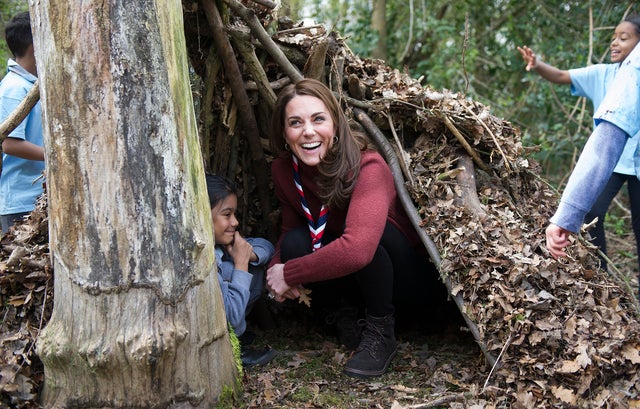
[(372, 337)]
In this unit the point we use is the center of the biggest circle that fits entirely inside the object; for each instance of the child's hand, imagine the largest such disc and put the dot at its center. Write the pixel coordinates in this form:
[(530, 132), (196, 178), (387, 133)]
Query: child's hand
[(241, 252), (528, 56)]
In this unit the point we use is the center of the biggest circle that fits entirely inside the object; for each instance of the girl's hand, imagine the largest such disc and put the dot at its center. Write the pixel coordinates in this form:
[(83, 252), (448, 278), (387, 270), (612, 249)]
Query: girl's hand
[(557, 240), (528, 56), (241, 252)]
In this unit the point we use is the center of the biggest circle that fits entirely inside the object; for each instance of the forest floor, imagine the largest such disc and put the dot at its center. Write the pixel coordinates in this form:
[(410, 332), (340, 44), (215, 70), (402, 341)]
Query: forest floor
[(441, 370)]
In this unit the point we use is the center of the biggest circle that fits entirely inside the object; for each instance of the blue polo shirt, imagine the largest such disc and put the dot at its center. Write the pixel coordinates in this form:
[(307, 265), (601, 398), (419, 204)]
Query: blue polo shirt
[(592, 82), (18, 192)]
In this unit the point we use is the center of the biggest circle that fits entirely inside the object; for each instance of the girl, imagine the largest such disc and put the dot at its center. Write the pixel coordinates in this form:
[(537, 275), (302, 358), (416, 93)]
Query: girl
[(241, 263), (592, 82)]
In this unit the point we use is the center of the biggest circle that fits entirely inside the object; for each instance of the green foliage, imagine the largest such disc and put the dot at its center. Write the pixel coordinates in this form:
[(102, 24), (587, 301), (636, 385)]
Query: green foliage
[(8, 8), (470, 47)]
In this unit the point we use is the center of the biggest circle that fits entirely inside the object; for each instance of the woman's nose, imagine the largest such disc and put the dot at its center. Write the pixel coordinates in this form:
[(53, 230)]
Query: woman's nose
[(308, 128)]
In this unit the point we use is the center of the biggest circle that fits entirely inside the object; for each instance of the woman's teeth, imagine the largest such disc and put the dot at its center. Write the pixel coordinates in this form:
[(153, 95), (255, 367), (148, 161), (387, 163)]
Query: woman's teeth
[(310, 145)]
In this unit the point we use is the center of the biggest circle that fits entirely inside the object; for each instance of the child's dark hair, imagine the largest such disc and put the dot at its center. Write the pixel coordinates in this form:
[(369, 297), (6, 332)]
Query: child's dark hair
[(18, 34), (635, 20), (219, 188)]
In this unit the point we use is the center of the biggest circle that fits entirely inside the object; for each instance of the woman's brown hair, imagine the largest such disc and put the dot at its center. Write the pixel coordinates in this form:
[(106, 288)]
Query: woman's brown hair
[(339, 168)]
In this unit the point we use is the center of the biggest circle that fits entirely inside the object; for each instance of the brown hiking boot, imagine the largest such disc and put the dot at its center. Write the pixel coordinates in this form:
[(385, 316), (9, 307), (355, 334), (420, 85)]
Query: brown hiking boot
[(376, 350)]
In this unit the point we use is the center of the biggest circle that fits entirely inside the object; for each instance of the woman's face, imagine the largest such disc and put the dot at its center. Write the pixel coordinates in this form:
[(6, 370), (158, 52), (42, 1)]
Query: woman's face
[(224, 220), (308, 128), (623, 41)]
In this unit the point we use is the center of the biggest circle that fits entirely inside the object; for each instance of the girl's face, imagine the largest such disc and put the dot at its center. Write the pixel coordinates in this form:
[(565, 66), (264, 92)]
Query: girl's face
[(623, 41), (308, 128), (224, 220)]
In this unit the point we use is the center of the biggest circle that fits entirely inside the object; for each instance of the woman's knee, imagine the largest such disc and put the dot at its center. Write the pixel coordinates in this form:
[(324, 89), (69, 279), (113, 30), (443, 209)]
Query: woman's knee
[(295, 243)]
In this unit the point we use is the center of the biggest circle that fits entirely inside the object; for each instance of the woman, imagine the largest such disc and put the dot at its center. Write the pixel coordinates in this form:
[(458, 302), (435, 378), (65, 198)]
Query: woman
[(344, 232)]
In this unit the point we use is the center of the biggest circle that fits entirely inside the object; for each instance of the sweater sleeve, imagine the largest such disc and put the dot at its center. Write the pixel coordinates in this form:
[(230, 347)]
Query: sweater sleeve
[(590, 175), (364, 225)]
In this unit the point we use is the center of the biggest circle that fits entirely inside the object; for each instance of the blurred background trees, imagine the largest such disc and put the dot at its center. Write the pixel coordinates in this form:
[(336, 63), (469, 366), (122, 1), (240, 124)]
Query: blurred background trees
[(8, 8), (470, 47)]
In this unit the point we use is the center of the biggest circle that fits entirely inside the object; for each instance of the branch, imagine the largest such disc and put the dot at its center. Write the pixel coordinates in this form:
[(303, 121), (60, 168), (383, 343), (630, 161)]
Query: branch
[(266, 3), (314, 67), (412, 213), (245, 110), (247, 51), (261, 34), (466, 180), (465, 144), (20, 113), (484, 125)]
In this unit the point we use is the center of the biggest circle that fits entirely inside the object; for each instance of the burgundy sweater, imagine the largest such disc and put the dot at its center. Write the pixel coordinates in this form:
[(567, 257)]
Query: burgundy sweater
[(358, 228)]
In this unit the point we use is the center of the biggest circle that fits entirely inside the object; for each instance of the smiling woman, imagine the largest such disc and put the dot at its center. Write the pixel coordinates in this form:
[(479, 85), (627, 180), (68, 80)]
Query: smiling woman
[(344, 234)]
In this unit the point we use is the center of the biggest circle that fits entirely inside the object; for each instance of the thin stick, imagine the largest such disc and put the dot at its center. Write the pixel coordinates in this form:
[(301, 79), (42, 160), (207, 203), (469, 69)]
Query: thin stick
[(465, 144), (403, 162), (506, 160), (495, 365)]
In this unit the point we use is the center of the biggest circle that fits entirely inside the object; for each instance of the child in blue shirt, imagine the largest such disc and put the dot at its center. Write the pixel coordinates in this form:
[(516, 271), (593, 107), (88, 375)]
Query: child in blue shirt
[(592, 82), (241, 263), (617, 119), (23, 151)]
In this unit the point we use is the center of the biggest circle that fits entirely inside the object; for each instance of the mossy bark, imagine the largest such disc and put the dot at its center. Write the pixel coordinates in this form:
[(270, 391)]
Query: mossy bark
[(138, 319)]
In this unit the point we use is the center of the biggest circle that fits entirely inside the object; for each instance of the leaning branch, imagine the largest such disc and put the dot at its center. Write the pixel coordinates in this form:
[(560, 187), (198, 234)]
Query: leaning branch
[(245, 110), (21, 112), (474, 155), (409, 207), (261, 34)]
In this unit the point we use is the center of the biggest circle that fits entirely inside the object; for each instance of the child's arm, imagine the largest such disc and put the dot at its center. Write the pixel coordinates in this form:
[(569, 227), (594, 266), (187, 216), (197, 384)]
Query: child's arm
[(546, 71), (263, 251), (235, 295)]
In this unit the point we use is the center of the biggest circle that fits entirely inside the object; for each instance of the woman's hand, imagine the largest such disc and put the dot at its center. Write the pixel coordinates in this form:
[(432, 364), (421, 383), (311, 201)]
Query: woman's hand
[(278, 286), (528, 56)]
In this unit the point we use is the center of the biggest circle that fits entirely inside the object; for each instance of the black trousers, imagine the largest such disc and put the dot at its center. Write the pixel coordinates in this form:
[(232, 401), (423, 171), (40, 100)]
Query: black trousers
[(397, 277), (602, 204)]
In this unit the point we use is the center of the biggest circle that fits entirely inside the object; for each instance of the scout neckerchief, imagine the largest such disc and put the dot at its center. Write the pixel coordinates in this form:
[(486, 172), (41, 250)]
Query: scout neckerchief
[(316, 229)]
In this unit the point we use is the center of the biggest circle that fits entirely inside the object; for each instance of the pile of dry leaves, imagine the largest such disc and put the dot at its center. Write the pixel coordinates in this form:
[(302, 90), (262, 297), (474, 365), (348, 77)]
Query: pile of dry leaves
[(26, 293), (561, 332)]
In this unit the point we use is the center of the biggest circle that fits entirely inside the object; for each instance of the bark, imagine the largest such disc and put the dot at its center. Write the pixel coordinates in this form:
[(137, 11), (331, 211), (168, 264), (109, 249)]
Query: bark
[(138, 319), (379, 24)]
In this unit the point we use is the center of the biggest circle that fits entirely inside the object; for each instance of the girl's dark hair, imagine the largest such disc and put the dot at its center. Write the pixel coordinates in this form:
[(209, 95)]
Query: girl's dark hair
[(338, 170), (18, 34), (219, 188), (635, 20)]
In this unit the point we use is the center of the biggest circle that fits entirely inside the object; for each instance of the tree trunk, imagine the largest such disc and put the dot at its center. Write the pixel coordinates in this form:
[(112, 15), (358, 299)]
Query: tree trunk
[(138, 319), (379, 24)]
